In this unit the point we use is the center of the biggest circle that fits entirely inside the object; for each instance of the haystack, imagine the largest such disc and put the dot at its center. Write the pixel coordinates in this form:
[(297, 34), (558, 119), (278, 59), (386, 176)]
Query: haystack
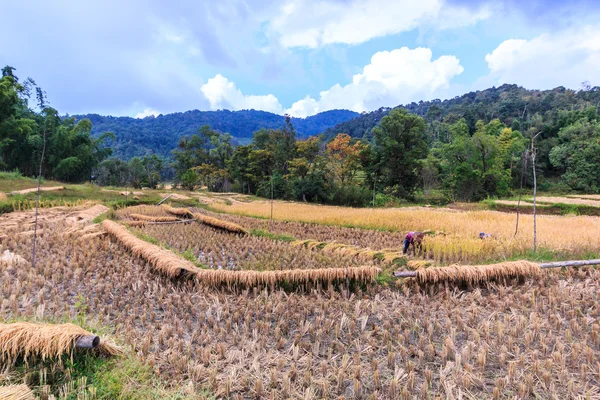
[(479, 273), (16, 392), (150, 218), (30, 340), (160, 259), (43, 189)]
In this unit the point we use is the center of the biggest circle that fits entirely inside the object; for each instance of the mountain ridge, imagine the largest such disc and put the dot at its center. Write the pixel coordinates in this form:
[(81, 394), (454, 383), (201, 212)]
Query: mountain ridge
[(160, 134)]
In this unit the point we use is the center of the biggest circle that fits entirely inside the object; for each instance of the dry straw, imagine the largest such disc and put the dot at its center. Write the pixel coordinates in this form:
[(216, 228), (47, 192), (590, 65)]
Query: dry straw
[(26, 339), (160, 259), (205, 219), (272, 278), (479, 273), (387, 255), (148, 218), (16, 392), (174, 266), (180, 212)]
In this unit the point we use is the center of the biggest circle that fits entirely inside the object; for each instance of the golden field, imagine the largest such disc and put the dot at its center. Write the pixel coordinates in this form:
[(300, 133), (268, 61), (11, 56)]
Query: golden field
[(456, 238), (511, 339)]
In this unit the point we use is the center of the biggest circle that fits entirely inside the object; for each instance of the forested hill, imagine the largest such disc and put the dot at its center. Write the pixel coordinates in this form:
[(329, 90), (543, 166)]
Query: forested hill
[(509, 103), (159, 135)]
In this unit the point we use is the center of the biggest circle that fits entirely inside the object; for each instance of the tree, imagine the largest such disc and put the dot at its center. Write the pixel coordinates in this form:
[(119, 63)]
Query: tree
[(578, 155), (344, 158), (400, 144)]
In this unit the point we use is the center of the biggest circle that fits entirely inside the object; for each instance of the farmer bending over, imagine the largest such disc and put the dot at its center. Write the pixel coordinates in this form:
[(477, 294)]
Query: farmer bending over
[(413, 238)]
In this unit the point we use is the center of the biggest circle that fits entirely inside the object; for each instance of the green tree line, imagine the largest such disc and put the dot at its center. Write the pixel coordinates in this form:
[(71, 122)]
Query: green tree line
[(26, 129)]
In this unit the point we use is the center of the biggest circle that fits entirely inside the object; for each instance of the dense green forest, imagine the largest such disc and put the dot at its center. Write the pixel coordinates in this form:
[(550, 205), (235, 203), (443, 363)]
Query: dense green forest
[(159, 135), (472, 147), (30, 129)]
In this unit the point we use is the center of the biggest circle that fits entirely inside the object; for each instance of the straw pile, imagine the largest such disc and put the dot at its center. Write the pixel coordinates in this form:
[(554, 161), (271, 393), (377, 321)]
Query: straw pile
[(26, 339), (180, 212), (135, 223), (160, 259), (387, 255), (42, 189), (173, 266), (149, 218), (217, 223), (479, 273), (205, 219), (16, 392), (272, 278)]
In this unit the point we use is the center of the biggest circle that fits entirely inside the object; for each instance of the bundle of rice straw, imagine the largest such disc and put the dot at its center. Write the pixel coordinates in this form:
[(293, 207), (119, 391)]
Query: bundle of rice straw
[(180, 212), (217, 223), (135, 223), (16, 392), (205, 219), (160, 259), (26, 339), (149, 218), (271, 278), (479, 273), (172, 265)]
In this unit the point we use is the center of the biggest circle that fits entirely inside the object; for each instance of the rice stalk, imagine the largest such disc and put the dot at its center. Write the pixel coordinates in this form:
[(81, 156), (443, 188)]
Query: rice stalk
[(27, 340), (148, 218), (479, 273), (216, 278), (180, 212), (160, 259), (217, 223), (16, 392)]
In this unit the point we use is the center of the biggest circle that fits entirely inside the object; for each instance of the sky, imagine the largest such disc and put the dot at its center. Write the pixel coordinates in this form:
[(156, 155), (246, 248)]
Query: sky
[(148, 57)]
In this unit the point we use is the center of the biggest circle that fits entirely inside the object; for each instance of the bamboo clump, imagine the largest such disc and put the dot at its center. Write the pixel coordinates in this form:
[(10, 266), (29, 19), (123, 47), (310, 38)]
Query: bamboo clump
[(16, 392), (160, 259), (149, 218), (479, 273), (27, 340)]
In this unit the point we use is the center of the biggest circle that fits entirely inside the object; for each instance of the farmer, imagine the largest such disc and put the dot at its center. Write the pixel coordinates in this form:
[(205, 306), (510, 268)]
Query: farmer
[(414, 239)]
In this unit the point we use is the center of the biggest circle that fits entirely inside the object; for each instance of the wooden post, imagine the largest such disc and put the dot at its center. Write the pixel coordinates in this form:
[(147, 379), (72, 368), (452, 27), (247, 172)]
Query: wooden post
[(534, 193), (165, 199), (87, 342)]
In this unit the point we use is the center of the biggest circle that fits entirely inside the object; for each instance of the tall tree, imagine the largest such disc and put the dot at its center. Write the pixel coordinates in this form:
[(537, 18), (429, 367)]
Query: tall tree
[(400, 144)]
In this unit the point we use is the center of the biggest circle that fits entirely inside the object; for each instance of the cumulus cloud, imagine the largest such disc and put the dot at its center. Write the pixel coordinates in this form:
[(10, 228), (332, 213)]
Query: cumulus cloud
[(393, 77), (147, 112), (564, 58), (311, 23), (222, 93)]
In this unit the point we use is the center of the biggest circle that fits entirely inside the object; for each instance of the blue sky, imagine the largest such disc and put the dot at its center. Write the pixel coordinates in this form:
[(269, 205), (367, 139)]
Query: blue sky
[(143, 57)]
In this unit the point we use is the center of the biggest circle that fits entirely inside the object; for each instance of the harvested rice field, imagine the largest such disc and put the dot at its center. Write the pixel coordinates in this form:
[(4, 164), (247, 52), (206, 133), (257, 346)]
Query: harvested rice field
[(521, 333), (455, 233)]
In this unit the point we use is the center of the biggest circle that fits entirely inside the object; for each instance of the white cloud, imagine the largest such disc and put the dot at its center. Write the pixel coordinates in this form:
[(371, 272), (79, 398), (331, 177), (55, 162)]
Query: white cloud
[(221, 93), (393, 77), (564, 58), (147, 112), (311, 23)]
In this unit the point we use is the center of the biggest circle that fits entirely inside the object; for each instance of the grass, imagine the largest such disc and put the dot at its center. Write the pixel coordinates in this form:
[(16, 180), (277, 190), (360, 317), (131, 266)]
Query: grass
[(88, 376), (272, 236), (187, 254)]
